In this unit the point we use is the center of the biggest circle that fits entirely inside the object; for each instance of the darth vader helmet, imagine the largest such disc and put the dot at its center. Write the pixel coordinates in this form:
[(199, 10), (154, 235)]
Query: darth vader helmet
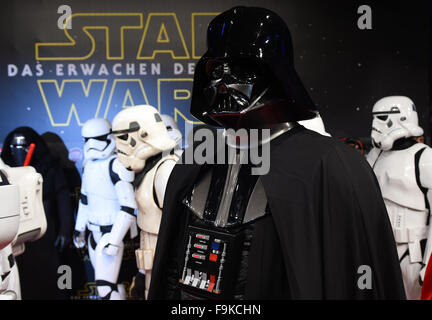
[(246, 79)]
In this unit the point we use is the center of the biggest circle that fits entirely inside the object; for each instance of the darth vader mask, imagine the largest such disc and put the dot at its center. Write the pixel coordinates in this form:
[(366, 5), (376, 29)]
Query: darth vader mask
[(246, 79), (235, 86)]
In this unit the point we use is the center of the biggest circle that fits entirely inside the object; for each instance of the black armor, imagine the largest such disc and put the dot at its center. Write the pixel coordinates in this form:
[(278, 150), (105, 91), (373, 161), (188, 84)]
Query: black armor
[(220, 228), (246, 79)]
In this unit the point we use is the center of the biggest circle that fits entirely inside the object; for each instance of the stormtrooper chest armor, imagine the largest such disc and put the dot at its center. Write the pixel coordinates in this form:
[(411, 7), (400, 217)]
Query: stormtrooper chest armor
[(396, 174), (102, 197), (221, 208), (149, 212)]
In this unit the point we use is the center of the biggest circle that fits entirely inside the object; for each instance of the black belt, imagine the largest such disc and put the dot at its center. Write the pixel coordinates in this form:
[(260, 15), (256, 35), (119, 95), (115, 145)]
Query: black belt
[(103, 229)]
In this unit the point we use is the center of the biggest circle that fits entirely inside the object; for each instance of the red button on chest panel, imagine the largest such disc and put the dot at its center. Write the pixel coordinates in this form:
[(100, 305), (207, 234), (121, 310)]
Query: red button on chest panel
[(213, 257)]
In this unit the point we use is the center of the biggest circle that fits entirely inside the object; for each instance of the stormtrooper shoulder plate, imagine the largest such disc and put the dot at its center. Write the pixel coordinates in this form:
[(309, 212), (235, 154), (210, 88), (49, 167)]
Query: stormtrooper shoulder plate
[(399, 173), (372, 156), (425, 168), (119, 172)]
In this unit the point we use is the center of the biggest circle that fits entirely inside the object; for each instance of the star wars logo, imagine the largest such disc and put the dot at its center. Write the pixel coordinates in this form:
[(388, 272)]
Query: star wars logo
[(108, 61)]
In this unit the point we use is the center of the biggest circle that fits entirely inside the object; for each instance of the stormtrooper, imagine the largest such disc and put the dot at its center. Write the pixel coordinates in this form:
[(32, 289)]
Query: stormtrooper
[(299, 231), (404, 171), (22, 219), (174, 133), (145, 147), (9, 224), (106, 209)]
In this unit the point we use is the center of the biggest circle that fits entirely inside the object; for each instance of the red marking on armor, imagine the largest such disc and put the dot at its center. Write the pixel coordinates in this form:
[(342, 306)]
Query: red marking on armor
[(212, 283)]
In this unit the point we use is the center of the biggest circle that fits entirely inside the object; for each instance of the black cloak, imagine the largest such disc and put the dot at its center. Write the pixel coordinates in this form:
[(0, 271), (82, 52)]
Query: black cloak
[(328, 219)]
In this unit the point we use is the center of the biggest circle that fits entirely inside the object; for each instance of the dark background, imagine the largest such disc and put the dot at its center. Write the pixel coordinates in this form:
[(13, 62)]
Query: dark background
[(345, 69)]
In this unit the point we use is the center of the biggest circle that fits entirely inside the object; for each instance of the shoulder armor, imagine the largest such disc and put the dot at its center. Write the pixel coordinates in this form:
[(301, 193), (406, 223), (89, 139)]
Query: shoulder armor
[(119, 172), (372, 156), (425, 167)]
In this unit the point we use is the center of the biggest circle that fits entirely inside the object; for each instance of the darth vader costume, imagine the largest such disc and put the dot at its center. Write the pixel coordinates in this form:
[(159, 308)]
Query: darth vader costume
[(39, 263), (304, 230)]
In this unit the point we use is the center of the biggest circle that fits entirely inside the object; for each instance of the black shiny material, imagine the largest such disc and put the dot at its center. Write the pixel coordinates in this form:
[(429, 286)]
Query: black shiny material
[(214, 198), (240, 200), (234, 275), (247, 77), (19, 148)]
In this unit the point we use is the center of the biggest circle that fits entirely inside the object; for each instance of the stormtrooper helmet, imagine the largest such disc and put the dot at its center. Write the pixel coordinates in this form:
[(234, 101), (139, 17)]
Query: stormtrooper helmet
[(172, 128), (99, 142), (140, 133), (394, 118)]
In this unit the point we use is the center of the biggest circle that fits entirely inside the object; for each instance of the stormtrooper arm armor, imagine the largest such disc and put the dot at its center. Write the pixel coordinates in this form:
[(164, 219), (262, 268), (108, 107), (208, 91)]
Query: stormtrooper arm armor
[(122, 179), (425, 170), (83, 211), (82, 218), (161, 179)]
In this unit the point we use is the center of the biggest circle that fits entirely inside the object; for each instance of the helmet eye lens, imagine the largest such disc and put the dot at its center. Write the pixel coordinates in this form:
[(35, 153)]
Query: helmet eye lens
[(383, 117), (102, 138), (123, 136)]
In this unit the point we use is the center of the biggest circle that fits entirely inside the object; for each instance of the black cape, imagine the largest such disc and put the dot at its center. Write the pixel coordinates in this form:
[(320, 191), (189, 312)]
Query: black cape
[(328, 219)]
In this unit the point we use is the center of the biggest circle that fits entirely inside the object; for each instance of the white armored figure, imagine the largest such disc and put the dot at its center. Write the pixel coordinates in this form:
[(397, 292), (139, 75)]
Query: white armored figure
[(9, 224), (404, 171), (144, 146), (22, 219), (174, 133), (107, 207), (172, 128)]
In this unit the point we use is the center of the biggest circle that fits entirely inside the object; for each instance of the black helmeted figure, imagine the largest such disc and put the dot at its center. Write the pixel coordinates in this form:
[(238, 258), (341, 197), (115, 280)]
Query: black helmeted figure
[(310, 228), (70, 255), (39, 263)]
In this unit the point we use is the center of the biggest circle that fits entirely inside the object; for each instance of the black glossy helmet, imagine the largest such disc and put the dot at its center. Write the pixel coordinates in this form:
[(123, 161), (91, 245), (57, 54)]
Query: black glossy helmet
[(247, 78)]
